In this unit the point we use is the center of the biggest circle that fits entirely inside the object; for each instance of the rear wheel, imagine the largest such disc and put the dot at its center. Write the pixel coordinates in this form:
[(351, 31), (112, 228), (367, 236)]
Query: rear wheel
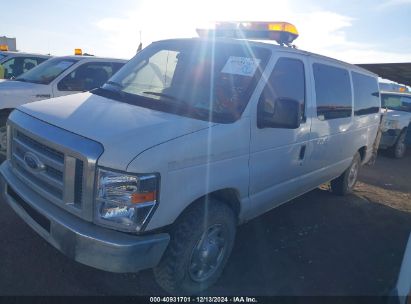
[(200, 245), (345, 184), (400, 147)]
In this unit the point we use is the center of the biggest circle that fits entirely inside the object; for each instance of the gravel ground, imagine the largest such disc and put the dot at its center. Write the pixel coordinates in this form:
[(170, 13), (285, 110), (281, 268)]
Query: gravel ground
[(318, 244)]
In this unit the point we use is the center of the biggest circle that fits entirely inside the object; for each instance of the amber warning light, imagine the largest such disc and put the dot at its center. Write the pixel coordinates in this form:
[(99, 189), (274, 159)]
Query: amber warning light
[(283, 33)]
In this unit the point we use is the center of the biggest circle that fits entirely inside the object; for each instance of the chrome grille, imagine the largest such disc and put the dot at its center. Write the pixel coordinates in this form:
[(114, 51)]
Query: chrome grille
[(55, 182), (57, 164)]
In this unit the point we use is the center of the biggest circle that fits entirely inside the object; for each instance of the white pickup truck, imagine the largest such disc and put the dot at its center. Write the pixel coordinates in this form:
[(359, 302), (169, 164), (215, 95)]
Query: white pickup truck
[(56, 77), (396, 127)]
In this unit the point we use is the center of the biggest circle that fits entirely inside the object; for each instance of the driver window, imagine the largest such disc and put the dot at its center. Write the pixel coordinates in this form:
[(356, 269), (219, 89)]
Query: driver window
[(87, 77), (286, 81)]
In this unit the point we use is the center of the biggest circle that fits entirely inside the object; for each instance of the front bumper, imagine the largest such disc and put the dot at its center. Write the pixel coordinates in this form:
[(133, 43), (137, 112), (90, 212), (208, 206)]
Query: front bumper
[(82, 241), (389, 138)]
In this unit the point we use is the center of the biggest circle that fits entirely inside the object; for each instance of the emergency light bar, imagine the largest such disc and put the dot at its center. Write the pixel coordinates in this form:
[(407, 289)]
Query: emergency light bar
[(78, 52), (283, 33), (4, 47)]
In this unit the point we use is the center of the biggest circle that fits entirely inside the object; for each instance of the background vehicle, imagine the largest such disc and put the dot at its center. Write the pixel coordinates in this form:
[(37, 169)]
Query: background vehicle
[(396, 126), (56, 77), (192, 137), (16, 63)]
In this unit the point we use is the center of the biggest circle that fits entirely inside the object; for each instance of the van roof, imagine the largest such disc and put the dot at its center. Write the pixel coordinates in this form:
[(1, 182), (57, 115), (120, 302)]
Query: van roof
[(280, 48), (82, 57)]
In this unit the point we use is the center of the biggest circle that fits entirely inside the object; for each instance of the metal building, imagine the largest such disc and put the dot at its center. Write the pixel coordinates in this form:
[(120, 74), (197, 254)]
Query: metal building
[(10, 42)]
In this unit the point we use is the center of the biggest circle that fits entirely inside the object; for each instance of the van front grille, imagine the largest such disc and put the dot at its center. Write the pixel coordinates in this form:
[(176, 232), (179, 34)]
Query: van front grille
[(54, 175)]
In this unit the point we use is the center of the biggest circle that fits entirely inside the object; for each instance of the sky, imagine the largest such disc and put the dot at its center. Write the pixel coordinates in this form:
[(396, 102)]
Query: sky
[(367, 31)]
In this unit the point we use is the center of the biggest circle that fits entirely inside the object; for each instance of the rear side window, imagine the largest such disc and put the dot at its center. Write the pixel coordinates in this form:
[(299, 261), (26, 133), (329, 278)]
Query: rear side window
[(366, 96), (333, 90)]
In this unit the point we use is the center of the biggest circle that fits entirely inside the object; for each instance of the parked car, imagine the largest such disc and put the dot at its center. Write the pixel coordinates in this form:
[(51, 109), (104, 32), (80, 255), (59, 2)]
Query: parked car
[(56, 77), (396, 126), (191, 138), (17, 63)]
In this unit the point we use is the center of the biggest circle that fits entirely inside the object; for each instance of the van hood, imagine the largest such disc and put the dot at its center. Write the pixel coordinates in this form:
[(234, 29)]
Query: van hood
[(124, 130)]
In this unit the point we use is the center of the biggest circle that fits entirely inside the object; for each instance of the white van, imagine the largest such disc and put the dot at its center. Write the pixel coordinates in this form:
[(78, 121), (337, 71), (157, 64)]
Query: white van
[(56, 77), (189, 139)]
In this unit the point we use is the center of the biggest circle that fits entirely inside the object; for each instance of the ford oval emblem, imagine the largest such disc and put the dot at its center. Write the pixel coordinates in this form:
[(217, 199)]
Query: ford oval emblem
[(33, 163)]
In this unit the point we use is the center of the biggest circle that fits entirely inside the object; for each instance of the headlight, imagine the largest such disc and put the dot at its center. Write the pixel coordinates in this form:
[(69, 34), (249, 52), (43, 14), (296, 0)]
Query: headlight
[(125, 201), (390, 125)]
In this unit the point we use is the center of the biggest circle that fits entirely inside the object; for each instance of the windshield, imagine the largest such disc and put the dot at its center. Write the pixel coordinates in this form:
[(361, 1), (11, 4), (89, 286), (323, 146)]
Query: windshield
[(46, 72), (2, 56), (396, 102), (191, 78)]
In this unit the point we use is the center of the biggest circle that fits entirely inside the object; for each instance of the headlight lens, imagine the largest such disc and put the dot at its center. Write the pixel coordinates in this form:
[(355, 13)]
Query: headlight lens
[(125, 201)]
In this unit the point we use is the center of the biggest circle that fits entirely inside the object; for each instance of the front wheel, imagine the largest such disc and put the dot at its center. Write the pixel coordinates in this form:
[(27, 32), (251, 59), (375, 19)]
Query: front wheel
[(200, 245), (345, 184), (400, 147)]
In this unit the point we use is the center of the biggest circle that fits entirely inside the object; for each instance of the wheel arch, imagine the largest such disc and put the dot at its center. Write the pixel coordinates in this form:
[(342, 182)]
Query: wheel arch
[(228, 196)]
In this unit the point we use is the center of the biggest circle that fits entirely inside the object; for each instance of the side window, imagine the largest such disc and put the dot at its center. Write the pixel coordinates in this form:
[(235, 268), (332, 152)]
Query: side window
[(19, 65), (115, 67), (391, 101), (333, 91), (87, 76), (366, 96), (287, 81), (30, 63), (9, 68), (406, 103)]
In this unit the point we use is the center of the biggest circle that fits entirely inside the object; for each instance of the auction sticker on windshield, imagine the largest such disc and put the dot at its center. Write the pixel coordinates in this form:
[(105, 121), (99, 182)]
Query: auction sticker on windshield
[(241, 66)]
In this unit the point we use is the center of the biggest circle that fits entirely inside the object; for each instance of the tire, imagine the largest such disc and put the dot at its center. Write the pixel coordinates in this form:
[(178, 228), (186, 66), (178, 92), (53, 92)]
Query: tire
[(3, 134), (345, 184), (203, 235), (400, 147)]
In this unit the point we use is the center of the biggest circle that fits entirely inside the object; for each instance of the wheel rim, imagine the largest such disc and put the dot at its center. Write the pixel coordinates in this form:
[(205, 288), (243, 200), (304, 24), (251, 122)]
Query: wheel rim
[(352, 176), (400, 148), (208, 254), (3, 140)]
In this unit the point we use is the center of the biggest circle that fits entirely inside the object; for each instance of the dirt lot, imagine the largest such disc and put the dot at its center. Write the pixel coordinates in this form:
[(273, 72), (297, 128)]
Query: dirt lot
[(318, 244)]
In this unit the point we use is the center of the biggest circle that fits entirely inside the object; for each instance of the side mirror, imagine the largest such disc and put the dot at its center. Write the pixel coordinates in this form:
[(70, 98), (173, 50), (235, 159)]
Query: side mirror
[(284, 113)]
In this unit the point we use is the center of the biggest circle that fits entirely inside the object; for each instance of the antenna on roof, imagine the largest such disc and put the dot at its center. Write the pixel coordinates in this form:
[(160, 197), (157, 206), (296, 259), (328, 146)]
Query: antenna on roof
[(140, 46)]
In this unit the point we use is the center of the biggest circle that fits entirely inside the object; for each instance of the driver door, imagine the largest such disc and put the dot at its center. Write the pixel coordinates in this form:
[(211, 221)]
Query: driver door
[(279, 156)]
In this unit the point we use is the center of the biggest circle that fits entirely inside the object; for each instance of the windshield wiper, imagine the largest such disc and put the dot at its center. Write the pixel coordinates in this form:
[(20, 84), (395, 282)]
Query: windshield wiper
[(161, 95)]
